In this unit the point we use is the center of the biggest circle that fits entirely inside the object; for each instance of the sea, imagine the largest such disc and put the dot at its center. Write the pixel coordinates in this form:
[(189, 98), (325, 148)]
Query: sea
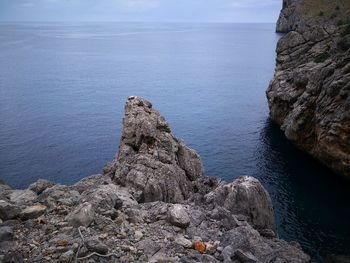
[(63, 87)]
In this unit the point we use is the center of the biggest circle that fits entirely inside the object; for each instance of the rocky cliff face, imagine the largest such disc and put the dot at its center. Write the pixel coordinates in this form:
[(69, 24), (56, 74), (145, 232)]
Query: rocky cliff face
[(309, 96), (289, 17), (152, 205)]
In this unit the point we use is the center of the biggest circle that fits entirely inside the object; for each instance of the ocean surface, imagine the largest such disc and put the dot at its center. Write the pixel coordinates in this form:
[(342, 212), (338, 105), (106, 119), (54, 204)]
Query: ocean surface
[(62, 93)]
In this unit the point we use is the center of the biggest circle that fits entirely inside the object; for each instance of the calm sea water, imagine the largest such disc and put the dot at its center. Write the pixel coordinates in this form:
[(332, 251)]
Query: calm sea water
[(63, 88)]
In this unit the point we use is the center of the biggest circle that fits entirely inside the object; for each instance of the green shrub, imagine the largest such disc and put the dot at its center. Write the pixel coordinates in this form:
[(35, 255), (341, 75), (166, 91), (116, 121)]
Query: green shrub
[(334, 15), (321, 13)]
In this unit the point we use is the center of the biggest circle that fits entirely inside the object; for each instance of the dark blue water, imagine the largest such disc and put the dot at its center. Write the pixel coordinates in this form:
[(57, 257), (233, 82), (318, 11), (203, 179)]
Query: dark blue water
[(63, 88)]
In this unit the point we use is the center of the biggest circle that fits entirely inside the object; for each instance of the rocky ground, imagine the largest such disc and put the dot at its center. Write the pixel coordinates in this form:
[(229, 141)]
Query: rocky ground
[(309, 96), (152, 204)]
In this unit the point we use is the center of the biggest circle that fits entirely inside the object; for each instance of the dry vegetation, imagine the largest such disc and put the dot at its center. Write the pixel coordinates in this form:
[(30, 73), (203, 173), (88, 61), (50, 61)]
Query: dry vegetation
[(339, 10)]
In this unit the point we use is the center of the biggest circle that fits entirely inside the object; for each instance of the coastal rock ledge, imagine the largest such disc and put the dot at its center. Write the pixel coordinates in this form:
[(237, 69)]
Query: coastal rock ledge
[(152, 204)]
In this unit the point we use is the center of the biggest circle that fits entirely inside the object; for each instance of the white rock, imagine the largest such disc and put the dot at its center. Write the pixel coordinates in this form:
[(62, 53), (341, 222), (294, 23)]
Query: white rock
[(178, 216), (138, 235), (184, 242)]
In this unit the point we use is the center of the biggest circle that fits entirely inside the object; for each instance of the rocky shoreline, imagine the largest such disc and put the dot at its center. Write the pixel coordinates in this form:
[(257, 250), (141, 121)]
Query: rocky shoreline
[(309, 96), (152, 204)]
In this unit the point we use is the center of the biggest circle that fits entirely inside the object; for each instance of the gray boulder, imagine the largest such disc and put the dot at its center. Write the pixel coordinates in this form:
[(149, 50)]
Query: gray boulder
[(245, 196), (83, 215), (59, 195), (22, 196), (178, 216), (8, 210), (40, 186), (151, 160), (182, 241), (246, 245), (104, 198), (95, 245), (32, 211)]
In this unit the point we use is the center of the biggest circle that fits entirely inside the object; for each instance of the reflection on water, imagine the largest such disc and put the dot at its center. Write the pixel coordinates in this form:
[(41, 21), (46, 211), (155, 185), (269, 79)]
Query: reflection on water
[(311, 203)]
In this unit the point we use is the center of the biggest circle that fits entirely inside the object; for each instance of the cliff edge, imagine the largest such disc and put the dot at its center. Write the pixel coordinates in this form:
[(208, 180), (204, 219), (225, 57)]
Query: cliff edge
[(153, 204), (309, 96)]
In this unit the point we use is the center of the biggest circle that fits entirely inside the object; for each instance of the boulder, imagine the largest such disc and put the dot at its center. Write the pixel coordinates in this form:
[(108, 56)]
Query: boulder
[(178, 216), (95, 245), (31, 212), (245, 196), (40, 186), (151, 160), (8, 210), (182, 241), (59, 195), (83, 215), (106, 197), (22, 196), (245, 243)]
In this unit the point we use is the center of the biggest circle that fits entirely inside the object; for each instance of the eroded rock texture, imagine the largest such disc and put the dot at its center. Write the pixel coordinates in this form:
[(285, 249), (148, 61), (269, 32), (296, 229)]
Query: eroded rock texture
[(151, 160), (289, 17), (245, 196), (309, 96)]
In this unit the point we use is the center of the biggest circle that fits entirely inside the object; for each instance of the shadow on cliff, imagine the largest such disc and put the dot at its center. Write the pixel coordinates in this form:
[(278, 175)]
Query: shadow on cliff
[(310, 201)]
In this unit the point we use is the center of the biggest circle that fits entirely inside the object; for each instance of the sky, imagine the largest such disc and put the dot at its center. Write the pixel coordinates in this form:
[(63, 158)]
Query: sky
[(239, 11)]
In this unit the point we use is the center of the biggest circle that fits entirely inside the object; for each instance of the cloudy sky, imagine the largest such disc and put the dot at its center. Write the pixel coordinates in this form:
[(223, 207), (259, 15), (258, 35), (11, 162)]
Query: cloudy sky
[(141, 10)]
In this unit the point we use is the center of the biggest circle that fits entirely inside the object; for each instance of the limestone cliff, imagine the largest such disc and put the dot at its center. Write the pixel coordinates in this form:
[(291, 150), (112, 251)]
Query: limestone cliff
[(309, 96)]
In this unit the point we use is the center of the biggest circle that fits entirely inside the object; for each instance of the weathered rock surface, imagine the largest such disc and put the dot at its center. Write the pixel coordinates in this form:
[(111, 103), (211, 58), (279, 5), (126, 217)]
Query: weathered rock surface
[(8, 210), (40, 186), (289, 17), (150, 159), (33, 211), (178, 216), (245, 196), (309, 96), (114, 219), (83, 215), (22, 196)]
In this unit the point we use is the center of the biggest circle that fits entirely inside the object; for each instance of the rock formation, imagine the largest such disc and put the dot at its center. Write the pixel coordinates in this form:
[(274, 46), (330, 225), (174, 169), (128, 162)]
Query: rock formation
[(309, 96), (152, 205), (150, 159), (289, 17)]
